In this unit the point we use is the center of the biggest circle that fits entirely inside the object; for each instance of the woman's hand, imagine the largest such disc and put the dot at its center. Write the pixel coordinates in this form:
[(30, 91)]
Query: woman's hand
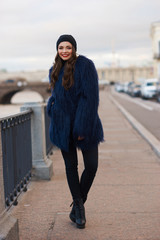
[(80, 138)]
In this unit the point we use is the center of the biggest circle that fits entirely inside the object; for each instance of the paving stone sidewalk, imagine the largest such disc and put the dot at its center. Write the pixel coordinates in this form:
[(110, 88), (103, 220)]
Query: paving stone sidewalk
[(124, 201)]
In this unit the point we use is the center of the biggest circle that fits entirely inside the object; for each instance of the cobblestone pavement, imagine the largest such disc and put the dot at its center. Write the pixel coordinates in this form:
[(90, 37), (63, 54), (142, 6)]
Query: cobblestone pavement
[(124, 201)]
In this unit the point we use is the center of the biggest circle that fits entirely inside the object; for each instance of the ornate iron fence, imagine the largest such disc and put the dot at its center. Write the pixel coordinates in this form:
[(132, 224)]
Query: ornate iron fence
[(17, 154)]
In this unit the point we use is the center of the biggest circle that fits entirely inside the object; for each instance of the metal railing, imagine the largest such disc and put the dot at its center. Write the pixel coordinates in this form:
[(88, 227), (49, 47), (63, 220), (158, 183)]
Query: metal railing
[(17, 154)]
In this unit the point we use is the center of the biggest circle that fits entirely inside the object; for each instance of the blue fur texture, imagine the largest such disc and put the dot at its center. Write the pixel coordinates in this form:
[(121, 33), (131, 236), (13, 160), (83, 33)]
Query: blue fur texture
[(74, 112)]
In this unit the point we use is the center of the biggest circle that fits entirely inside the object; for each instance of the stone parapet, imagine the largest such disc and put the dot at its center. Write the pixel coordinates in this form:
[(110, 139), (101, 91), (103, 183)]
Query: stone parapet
[(42, 165)]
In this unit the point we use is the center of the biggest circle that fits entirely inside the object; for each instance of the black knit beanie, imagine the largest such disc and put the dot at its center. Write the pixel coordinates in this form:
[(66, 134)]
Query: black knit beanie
[(66, 38)]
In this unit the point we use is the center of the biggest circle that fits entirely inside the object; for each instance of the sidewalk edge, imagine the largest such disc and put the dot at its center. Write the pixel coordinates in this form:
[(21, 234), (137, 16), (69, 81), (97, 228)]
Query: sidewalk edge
[(152, 140)]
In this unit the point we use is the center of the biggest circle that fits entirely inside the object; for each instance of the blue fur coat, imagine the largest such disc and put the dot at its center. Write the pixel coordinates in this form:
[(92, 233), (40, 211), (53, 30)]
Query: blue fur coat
[(74, 112)]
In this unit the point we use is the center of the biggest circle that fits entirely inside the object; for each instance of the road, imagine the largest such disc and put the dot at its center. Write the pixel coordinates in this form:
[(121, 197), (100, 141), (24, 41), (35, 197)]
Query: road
[(147, 112)]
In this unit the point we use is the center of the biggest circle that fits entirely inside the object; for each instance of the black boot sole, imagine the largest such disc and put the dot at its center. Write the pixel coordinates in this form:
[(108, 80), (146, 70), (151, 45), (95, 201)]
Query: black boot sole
[(80, 226), (74, 220)]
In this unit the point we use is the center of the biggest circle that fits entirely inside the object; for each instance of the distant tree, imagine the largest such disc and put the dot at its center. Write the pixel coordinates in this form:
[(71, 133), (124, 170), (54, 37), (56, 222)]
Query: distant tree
[(3, 70)]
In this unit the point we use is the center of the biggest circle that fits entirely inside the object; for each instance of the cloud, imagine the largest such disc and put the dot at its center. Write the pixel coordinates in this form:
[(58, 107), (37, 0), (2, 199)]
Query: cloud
[(29, 29)]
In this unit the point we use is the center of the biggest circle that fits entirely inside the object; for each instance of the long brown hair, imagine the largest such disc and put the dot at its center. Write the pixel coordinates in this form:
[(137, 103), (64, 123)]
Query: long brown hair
[(68, 78)]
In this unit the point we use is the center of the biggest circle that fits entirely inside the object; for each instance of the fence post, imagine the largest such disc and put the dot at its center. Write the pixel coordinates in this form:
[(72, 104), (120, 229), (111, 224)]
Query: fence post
[(42, 165), (8, 225)]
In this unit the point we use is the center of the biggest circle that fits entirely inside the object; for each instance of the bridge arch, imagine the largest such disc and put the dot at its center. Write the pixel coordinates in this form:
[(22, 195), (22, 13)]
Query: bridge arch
[(6, 99), (8, 90), (27, 95)]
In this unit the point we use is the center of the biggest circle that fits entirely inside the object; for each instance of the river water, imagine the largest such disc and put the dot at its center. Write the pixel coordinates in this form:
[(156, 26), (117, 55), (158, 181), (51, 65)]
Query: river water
[(17, 101)]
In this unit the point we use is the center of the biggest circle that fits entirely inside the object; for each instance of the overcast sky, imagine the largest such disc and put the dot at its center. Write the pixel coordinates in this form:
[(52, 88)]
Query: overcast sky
[(109, 32)]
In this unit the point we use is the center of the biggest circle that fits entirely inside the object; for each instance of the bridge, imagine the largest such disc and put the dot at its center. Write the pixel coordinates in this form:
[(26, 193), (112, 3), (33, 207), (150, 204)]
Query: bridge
[(7, 90)]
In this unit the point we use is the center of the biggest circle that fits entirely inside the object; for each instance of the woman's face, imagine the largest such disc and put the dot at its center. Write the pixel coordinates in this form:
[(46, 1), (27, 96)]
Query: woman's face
[(65, 50)]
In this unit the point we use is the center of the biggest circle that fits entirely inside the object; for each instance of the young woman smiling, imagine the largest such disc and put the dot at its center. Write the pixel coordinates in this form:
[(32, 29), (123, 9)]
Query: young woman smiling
[(73, 110), (65, 50)]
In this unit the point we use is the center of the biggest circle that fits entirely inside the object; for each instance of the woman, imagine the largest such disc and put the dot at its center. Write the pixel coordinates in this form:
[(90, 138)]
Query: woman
[(73, 109)]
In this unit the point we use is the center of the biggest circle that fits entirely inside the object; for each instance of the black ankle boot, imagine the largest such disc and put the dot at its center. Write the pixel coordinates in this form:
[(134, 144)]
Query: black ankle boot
[(72, 214), (80, 218)]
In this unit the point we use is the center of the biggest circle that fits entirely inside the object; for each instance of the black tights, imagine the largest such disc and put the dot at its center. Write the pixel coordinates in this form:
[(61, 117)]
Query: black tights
[(80, 189)]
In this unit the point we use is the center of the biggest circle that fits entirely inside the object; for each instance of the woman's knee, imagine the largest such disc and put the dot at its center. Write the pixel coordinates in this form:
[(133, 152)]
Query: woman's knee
[(91, 161), (71, 166), (70, 159), (91, 169)]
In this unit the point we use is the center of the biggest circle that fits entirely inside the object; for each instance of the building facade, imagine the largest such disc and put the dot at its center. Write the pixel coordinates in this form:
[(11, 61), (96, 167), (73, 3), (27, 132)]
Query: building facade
[(127, 74), (155, 36)]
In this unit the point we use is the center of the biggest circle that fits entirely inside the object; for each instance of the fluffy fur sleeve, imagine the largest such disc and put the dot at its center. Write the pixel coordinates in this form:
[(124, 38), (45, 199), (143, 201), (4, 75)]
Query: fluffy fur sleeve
[(52, 98), (85, 119)]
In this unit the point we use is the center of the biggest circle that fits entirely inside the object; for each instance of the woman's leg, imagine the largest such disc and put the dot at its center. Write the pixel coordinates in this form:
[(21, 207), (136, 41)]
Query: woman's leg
[(90, 158), (71, 164), (77, 214)]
